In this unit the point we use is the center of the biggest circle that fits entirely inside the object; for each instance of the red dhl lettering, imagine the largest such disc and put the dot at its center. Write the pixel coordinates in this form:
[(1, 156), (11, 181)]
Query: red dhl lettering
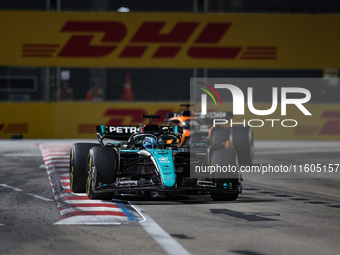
[(332, 125), (149, 33), (14, 128), (79, 45)]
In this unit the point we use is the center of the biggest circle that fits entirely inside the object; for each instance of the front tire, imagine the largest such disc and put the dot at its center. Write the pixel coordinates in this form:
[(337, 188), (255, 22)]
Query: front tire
[(78, 165), (102, 168)]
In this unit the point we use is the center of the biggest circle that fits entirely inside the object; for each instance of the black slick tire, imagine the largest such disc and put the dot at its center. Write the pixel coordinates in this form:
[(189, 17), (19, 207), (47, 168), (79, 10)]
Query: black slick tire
[(220, 135), (102, 167), (78, 166)]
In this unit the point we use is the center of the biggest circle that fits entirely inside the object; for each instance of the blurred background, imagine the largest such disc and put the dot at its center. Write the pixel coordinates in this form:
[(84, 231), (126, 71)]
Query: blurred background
[(263, 38)]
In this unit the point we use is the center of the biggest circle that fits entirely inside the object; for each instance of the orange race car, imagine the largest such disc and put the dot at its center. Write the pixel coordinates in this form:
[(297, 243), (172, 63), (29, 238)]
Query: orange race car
[(198, 129)]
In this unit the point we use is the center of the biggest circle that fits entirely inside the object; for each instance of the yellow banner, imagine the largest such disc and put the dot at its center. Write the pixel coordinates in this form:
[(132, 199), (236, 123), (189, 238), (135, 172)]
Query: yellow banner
[(323, 124), (31, 120), (169, 40), (82, 118), (74, 119), (79, 119)]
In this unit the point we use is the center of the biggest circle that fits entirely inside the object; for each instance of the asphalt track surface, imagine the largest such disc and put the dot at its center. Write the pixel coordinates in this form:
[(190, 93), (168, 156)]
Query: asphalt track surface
[(294, 215)]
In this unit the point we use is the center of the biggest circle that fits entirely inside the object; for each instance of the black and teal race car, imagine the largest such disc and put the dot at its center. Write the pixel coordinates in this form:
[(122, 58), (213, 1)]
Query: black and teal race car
[(147, 160)]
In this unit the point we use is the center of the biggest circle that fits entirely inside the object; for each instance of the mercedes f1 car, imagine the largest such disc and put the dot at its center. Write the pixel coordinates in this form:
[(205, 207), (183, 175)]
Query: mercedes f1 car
[(147, 159), (199, 128)]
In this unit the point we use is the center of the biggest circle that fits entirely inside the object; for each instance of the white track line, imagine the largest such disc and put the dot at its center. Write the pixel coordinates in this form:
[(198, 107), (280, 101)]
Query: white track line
[(29, 194), (166, 241), (19, 154), (39, 197), (90, 220), (10, 187)]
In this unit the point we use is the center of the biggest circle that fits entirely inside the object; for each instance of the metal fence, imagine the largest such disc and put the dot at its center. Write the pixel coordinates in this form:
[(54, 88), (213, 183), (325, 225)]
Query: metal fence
[(147, 84), (251, 6)]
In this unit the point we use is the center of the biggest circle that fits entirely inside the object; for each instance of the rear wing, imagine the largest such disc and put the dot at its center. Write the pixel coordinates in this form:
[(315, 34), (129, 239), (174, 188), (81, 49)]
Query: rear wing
[(124, 132), (117, 132)]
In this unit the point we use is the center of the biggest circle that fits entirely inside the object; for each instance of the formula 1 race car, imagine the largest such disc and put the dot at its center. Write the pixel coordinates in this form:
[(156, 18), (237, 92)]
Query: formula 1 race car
[(199, 128), (145, 160)]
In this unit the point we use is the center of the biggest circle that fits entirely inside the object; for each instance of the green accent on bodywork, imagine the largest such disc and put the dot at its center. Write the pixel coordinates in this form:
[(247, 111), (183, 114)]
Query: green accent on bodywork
[(130, 150), (165, 165), (89, 177), (71, 181)]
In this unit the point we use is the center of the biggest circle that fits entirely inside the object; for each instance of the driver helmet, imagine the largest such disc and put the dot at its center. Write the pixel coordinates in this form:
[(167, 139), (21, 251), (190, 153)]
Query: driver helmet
[(160, 142), (186, 124), (149, 143)]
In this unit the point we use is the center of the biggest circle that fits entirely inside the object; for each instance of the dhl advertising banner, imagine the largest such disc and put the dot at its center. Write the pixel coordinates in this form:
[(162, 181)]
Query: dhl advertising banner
[(323, 124), (169, 40), (79, 120), (73, 119), (31, 120)]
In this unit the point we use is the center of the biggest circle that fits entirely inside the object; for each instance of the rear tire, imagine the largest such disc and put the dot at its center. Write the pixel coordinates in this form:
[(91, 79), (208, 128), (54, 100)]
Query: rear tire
[(243, 143), (225, 157), (102, 164), (78, 165), (220, 135)]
